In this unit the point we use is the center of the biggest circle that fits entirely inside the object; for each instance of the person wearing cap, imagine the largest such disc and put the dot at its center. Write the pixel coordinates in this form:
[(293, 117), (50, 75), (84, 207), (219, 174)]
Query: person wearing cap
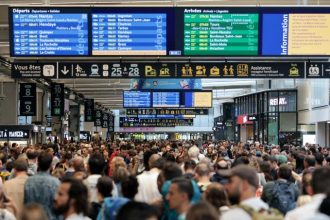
[(242, 187)]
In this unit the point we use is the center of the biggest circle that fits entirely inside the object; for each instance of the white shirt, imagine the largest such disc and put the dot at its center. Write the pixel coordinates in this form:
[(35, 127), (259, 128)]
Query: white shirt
[(307, 211), (77, 217), (148, 189), (91, 182), (238, 213)]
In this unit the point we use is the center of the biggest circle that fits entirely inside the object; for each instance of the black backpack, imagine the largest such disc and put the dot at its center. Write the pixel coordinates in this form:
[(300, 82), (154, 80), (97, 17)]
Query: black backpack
[(283, 197)]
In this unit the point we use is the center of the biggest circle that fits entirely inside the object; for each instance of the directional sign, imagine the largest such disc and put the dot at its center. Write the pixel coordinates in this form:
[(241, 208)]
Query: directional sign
[(57, 99), (186, 70), (28, 99), (89, 110)]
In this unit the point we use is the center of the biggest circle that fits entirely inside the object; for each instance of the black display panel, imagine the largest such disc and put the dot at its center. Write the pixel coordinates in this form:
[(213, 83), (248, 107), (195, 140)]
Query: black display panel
[(138, 122), (98, 118), (57, 99), (28, 99), (48, 32), (89, 110)]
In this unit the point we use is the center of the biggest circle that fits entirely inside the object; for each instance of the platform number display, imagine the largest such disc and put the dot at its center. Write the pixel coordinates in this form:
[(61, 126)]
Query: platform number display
[(105, 120), (98, 118), (28, 99), (57, 99), (89, 110)]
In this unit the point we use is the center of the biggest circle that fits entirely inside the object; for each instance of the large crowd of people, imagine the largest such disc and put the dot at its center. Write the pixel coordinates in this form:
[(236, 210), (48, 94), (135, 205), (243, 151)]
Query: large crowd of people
[(165, 180)]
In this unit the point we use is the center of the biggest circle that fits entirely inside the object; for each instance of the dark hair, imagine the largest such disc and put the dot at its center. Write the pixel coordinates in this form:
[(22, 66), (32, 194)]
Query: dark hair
[(324, 208), (136, 211), (241, 160), (319, 158), (202, 211), (146, 157), (310, 160), (79, 192), (32, 154), (184, 186), (96, 163), (285, 172), (189, 164), (171, 171), (169, 157), (44, 161), (216, 195), (104, 186), (129, 187), (321, 180), (21, 164)]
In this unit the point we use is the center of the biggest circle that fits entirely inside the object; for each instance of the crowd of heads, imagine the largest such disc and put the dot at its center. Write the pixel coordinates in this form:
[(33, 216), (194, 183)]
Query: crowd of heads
[(158, 179)]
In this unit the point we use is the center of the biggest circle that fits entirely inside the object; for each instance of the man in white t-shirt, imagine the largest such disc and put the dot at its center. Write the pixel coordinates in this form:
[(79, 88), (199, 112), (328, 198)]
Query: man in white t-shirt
[(148, 191)]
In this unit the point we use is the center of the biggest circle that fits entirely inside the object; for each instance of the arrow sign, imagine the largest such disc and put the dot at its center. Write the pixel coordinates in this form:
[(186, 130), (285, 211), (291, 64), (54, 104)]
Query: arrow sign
[(64, 70)]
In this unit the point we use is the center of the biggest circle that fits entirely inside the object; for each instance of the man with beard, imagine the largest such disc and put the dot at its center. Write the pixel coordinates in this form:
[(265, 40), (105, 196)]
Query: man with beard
[(241, 188), (71, 200)]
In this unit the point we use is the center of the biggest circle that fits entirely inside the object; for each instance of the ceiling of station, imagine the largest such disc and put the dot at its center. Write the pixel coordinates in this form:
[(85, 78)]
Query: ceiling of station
[(109, 92)]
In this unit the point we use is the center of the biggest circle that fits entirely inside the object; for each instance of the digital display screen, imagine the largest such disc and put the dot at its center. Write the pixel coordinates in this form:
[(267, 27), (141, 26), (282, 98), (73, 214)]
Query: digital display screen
[(296, 34), (129, 34), (198, 100), (48, 32), (219, 32), (137, 99), (165, 99)]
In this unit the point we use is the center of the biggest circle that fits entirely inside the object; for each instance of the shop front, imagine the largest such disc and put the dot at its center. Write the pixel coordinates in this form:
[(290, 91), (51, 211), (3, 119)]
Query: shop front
[(269, 117)]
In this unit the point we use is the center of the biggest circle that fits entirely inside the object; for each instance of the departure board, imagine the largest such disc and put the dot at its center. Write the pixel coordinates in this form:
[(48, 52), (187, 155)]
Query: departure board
[(48, 32), (165, 99), (129, 34), (214, 32), (137, 99)]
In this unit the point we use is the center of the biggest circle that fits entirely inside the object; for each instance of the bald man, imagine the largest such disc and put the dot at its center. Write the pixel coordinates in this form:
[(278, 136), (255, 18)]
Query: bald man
[(148, 189)]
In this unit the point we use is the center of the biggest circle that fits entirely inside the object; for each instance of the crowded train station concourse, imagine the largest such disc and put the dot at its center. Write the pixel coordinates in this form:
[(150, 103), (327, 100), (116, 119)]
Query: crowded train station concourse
[(165, 110)]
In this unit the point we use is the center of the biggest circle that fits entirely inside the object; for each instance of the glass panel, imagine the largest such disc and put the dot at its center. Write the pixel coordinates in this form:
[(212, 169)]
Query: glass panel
[(272, 128), (273, 102), (287, 101)]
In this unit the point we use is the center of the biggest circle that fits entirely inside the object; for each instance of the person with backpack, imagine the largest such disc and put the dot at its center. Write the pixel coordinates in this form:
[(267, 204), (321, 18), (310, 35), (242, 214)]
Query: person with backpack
[(281, 194), (242, 187)]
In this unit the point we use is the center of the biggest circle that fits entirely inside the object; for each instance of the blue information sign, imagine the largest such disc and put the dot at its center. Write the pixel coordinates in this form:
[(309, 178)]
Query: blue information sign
[(49, 32), (137, 99), (129, 34), (165, 99)]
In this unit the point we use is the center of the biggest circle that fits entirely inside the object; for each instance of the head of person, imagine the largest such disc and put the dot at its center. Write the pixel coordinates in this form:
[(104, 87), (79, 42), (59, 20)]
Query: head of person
[(137, 211), (117, 162), (243, 183), (193, 152), (285, 172), (96, 164), (180, 194), (129, 187), (84, 152), (216, 195), (202, 211), (309, 161), (170, 171), (32, 154), (20, 165), (45, 161), (202, 170), (153, 161), (104, 187), (71, 196), (33, 211), (307, 183), (321, 180), (189, 166), (319, 158)]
